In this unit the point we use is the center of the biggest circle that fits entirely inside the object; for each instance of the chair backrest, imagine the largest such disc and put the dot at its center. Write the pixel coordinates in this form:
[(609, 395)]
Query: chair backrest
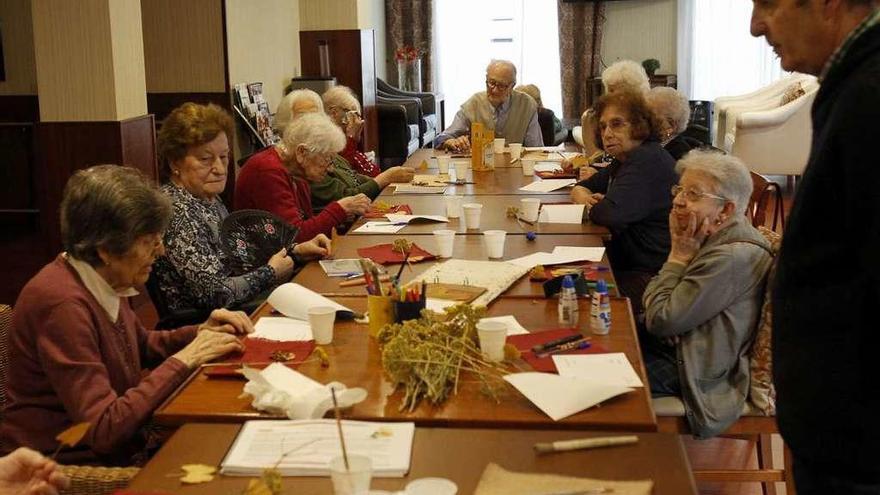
[(762, 393), (5, 328), (763, 191)]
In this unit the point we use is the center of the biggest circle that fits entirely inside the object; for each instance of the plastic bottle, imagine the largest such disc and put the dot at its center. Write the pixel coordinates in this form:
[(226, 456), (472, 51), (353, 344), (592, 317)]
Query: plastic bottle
[(568, 304), (600, 309)]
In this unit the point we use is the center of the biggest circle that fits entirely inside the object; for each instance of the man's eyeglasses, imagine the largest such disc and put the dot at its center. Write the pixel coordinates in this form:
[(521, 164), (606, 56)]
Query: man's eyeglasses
[(491, 83), (616, 125), (694, 195)]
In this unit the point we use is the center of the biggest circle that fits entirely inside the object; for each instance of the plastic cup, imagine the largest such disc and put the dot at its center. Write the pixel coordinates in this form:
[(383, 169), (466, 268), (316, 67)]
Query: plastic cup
[(528, 166), (431, 486), (321, 319), (495, 242), (471, 213), (352, 481), (530, 208), (445, 240), (492, 335), (499, 145), (443, 163), (515, 151), (453, 206), (461, 168)]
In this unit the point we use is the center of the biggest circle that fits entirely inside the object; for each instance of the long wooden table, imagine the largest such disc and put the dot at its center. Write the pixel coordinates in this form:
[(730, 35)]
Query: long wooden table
[(493, 182), (465, 247), (355, 360), (459, 455)]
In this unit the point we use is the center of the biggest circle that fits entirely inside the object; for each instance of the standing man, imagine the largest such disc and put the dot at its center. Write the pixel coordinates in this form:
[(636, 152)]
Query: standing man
[(825, 322), (513, 115)]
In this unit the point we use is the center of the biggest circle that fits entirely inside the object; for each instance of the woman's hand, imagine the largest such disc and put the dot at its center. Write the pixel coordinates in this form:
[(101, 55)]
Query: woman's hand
[(687, 238), (317, 247), (395, 174), (586, 172), (226, 321), (208, 346), (580, 195), (594, 198), (27, 472), (461, 144), (355, 205), (354, 126), (282, 264)]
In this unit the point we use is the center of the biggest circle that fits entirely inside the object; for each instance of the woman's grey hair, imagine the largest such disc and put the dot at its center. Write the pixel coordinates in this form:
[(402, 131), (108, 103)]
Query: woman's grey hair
[(625, 74), (340, 97), (670, 105), (316, 132), (732, 179), (109, 207), (285, 114), (531, 90)]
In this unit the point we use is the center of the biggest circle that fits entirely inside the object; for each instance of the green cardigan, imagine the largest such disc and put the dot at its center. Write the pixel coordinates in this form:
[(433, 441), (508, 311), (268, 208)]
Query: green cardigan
[(341, 181)]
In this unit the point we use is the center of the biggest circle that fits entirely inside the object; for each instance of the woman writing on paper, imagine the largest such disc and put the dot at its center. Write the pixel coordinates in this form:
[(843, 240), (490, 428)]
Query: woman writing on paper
[(703, 306), (77, 350)]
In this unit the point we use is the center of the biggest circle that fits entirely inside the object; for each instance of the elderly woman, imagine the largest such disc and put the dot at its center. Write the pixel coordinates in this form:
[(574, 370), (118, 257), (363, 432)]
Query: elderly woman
[(277, 178), (195, 273), (295, 103), (625, 75), (550, 125), (344, 177), (77, 350), (673, 112), (631, 195), (705, 303)]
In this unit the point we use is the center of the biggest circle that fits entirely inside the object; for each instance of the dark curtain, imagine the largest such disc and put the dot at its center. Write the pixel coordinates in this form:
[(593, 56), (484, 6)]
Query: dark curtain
[(410, 23), (580, 45)]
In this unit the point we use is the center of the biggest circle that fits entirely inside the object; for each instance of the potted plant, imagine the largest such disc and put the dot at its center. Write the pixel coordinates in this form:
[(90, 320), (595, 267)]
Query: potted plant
[(651, 65)]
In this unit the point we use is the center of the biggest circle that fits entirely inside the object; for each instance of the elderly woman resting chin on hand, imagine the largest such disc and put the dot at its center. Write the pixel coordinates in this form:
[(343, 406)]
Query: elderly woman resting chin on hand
[(703, 306)]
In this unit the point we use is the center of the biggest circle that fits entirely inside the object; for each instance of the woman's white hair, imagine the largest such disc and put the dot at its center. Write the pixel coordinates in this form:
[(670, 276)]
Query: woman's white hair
[(316, 132), (340, 97), (732, 179), (625, 74), (670, 105), (285, 113)]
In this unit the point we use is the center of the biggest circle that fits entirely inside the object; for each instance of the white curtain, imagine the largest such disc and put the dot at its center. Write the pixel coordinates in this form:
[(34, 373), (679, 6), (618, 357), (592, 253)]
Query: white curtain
[(717, 56)]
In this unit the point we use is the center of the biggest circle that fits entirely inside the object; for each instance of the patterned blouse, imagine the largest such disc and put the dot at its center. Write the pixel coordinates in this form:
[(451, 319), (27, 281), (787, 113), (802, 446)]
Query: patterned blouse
[(193, 273)]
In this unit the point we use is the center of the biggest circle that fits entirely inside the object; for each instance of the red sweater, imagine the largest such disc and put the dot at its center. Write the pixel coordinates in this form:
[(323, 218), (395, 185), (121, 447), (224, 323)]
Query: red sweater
[(264, 184), (68, 363), (357, 160)]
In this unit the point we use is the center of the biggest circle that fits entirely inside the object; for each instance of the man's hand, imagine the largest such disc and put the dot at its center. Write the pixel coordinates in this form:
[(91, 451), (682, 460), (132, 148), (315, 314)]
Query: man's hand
[(461, 144)]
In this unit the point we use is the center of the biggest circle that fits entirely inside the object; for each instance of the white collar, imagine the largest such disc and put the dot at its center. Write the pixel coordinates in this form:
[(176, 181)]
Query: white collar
[(107, 296)]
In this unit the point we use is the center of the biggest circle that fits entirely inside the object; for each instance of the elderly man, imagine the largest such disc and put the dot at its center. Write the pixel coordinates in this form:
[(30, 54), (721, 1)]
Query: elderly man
[(825, 337), (513, 115)]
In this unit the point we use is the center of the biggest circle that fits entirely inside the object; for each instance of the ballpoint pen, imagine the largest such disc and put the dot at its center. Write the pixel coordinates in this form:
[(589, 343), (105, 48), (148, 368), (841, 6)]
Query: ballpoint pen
[(571, 346), (556, 342)]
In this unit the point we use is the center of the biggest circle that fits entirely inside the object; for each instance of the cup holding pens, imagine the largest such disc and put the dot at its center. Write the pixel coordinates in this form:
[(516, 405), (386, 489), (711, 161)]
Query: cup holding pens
[(381, 312)]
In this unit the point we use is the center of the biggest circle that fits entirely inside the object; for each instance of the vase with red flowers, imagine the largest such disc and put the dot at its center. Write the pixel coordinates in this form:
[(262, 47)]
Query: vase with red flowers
[(409, 68)]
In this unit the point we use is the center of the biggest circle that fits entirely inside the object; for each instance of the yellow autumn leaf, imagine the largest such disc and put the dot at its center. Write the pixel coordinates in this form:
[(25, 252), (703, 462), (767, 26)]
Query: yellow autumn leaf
[(272, 480), (197, 473), (71, 436), (257, 487)]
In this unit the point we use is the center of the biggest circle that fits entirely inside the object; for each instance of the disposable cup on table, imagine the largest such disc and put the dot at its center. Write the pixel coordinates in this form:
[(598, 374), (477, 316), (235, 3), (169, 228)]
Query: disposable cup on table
[(445, 240), (321, 319), (453, 206), (443, 163), (529, 208), (495, 242), (499, 145), (528, 165), (431, 486), (352, 481), (515, 151), (461, 168), (471, 212), (492, 335)]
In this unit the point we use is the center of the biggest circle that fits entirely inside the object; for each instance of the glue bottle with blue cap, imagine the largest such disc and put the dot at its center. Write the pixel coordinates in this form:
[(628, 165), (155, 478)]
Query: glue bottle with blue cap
[(600, 309), (568, 304)]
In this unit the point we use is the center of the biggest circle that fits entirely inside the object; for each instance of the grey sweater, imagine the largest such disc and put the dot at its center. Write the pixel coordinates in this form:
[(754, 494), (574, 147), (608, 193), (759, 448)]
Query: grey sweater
[(713, 304)]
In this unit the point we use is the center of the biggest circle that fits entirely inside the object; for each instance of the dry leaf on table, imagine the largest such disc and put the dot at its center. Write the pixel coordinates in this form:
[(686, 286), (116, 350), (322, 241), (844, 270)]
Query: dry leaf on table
[(197, 473)]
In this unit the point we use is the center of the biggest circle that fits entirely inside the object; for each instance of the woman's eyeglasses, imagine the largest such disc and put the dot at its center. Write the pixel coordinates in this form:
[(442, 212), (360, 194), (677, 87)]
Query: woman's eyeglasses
[(694, 195), (616, 125)]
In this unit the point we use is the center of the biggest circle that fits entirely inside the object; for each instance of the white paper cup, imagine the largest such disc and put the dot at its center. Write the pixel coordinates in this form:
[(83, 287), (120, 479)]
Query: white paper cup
[(445, 240), (529, 207), (528, 165), (515, 151), (471, 212), (453, 206), (493, 335), (353, 481), (321, 319), (443, 163), (431, 486), (461, 168), (495, 242), (499, 145)]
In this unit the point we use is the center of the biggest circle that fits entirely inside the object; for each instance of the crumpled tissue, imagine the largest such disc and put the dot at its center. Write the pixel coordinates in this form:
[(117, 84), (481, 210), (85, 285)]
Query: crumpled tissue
[(278, 389)]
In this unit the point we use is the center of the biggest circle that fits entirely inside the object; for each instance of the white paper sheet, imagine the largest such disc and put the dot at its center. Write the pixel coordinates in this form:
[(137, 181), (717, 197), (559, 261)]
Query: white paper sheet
[(562, 396), (411, 189), (341, 267), (610, 369), (513, 326), (379, 228), (396, 218), (438, 305), (548, 166), (547, 185), (294, 300), (282, 329), (561, 214), (495, 276), (579, 253)]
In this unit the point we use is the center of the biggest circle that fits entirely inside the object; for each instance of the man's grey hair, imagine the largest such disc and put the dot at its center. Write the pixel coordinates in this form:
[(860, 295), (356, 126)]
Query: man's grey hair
[(284, 115), (730, 175), (670, 105), (340, 97), (110, 207), (316, 132), (507, 64), (625, 74)]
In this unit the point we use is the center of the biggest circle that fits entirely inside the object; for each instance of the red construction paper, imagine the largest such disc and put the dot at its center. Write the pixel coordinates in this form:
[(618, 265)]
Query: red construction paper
[(398, 209), (561, 174), (384, 254), (260, 351), (525, 343)]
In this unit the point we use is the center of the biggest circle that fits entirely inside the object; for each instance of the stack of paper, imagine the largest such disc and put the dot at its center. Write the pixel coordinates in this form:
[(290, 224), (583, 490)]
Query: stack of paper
[(548, 185), (305, 447), (561, 255), (494, 276)]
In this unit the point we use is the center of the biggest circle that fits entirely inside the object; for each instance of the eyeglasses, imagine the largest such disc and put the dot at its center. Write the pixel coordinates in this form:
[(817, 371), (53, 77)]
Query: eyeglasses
[(694, 195), (616, 125), (491, 83), (325, 159)]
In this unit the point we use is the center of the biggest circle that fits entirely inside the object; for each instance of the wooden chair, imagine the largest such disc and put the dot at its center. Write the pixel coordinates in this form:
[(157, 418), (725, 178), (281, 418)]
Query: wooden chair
[(84, 480), (763, 191)]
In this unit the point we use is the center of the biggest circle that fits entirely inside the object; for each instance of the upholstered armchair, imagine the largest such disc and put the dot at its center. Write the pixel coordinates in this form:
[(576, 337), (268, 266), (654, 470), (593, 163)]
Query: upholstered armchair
[(398, 130), (427, 109)]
